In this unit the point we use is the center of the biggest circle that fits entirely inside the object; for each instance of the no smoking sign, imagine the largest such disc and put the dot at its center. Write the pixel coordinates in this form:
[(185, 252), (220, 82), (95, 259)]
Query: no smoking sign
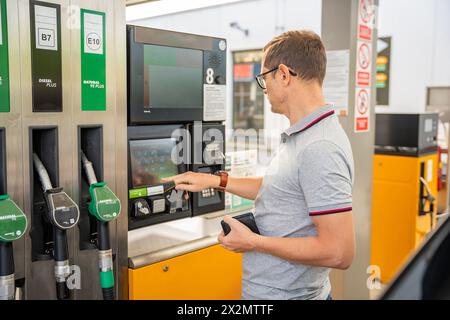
[(362, 101), (364, 56), (362, 107), (364, 64)]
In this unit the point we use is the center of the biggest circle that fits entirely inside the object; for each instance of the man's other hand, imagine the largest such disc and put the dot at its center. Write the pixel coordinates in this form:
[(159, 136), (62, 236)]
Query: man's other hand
[(240, 239)]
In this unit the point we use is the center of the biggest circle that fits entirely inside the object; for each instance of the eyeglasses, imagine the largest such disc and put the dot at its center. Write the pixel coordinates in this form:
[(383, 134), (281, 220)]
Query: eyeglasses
[(262, 81)]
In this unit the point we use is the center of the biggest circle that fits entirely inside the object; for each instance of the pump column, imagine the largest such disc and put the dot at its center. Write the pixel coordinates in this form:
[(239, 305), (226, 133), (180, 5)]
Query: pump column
[(349, 33), (13, 222)]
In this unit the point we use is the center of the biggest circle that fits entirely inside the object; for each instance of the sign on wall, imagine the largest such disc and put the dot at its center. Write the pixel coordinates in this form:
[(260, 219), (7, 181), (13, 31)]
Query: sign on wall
[(93, 61), (364, 63), (335, 84), (383, 70), (46, 64)]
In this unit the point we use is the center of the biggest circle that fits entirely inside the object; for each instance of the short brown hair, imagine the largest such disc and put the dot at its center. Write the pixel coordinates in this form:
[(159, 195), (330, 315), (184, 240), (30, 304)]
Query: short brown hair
[(302, 51)]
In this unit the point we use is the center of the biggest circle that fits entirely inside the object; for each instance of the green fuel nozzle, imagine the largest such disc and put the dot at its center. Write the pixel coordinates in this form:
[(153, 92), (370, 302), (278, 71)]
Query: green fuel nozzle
[(13, 224), (105, 207)]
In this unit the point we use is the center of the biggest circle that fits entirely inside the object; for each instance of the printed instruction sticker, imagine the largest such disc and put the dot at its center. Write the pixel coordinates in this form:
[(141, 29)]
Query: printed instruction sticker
[(46, 26), (335, 85), (214, 98), (93, 33)]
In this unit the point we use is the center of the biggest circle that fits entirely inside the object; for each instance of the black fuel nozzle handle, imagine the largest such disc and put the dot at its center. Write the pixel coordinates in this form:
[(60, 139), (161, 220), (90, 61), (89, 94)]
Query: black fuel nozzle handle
[(103, 235), (6, 271), (60, 247), (6, 259), (61, 257)]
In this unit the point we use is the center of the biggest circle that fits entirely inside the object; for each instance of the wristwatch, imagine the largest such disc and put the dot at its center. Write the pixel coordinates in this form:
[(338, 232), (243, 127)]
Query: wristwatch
[(223, 179)]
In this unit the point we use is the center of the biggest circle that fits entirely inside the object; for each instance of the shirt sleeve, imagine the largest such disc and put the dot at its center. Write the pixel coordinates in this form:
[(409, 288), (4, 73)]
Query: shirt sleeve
[(325, 175)]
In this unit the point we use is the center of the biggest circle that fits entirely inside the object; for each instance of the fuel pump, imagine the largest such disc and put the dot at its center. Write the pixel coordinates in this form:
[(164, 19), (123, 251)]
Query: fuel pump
[(105, 207), (63, 214), (13, 224)]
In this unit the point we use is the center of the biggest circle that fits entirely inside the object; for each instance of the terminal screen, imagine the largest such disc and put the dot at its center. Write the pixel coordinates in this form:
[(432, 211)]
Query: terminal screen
[(151, 161), (173, 77)]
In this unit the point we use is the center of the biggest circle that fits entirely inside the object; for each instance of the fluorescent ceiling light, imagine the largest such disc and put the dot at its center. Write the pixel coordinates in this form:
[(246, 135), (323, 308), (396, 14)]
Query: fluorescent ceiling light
[(164, 7)]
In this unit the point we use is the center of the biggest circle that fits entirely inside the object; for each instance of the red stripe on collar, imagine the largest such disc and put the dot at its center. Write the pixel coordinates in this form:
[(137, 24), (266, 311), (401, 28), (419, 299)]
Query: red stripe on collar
[(309, 125)]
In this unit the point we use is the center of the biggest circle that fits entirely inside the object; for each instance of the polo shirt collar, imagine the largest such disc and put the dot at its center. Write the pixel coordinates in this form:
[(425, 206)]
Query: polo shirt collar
[(310, 120)]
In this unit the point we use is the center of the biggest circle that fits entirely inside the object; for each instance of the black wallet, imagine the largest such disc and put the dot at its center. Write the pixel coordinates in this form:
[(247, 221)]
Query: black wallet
[(247, 218)]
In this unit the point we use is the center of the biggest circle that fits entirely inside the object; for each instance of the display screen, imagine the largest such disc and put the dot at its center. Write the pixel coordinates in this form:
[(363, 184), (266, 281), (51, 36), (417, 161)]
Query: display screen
[(173, 77), (151, 161)]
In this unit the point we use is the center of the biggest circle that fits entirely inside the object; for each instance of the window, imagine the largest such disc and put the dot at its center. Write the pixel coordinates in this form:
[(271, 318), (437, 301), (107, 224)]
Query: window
[(248, 98)]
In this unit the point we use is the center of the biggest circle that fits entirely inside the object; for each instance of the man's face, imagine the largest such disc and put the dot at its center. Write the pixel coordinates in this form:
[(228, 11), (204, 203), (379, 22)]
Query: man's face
[(273, 89)]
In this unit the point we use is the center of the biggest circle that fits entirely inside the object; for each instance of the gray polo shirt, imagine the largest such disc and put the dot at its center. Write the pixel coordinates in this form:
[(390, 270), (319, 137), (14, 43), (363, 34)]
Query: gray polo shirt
[(310, 175)]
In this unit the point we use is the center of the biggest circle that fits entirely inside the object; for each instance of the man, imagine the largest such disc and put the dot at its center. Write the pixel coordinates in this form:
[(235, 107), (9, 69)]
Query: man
[(303, 205)]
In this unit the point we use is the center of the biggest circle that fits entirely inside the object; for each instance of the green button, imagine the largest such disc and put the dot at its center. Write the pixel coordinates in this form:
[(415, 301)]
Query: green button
[(137, 193)]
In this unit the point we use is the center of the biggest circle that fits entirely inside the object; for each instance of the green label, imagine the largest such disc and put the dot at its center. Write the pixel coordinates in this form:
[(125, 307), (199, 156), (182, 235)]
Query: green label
[(104, 205), (93, 61), (4, 61), (381, 67), (13, 222), (137, 193)]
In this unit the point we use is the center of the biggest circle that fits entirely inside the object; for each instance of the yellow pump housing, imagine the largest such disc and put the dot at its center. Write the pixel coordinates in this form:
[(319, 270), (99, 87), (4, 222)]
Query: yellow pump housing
[(212, 273), (397, 226)]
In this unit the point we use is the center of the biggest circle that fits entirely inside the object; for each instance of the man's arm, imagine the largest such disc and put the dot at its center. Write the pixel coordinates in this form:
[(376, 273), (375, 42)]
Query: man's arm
[(333, 247), (247, 187)]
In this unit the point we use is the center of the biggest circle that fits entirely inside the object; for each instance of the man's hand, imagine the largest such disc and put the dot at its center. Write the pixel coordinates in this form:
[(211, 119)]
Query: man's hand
[(194, 181), (240, 239)]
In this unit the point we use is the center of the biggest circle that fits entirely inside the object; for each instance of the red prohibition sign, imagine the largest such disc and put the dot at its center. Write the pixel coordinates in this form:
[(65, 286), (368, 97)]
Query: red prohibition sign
[(362, 102), (366, 10), (364, 56)]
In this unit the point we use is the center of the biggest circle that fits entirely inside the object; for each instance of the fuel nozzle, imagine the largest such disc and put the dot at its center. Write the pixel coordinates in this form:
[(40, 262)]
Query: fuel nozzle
[(431, 200), (105, 207), (63, 214), (13, 224)]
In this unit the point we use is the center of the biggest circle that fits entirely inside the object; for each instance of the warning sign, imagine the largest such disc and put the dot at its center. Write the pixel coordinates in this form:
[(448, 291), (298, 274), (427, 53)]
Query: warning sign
[(363, 64), (366, 19), (367, 11), (362, 109)]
